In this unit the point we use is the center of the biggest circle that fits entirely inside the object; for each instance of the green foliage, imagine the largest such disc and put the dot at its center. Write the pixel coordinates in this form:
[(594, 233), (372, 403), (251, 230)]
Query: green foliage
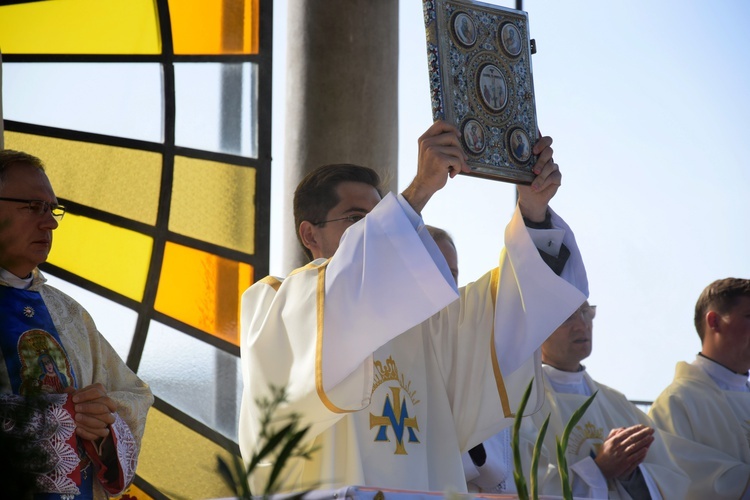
[(533, 481), (562, 445), (280, 445), (518, 477)]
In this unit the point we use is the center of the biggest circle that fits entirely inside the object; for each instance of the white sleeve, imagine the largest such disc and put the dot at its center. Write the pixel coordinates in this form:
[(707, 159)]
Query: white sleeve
[(532, 301), (588, 480), (653, 488), (382, 281)]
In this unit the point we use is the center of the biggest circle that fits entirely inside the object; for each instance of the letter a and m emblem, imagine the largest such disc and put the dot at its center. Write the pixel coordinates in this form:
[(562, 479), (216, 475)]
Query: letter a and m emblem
[(396, 415)]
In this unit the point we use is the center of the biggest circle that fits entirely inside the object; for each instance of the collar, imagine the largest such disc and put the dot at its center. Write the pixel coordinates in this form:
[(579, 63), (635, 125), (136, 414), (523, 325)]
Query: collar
[(14, 281), (567, 382), (725, 378)]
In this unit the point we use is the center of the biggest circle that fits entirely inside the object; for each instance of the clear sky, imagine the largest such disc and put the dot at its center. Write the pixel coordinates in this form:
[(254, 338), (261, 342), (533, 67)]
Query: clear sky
[(648, 104)]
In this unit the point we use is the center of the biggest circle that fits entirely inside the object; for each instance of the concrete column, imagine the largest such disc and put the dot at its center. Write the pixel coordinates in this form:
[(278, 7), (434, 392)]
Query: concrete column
[(341, 95)]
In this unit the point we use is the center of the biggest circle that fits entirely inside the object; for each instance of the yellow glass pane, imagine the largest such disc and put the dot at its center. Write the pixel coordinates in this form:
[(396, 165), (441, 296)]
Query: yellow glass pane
[(108, 255), (214, 202), (179, 461), (80, 27), (219, 27), (122, 181), (203, 290)]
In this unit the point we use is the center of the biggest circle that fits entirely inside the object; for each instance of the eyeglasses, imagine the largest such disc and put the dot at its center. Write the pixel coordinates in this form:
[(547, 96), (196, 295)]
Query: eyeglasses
[(351, 218), (585, 312), (40, 207)]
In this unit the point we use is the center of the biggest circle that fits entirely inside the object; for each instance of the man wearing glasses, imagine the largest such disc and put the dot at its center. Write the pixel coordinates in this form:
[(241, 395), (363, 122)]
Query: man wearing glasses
[(53, 358), (613, 451), (395, 369)]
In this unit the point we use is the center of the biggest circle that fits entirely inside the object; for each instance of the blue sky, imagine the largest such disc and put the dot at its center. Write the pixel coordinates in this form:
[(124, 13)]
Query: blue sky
[(648, 105)]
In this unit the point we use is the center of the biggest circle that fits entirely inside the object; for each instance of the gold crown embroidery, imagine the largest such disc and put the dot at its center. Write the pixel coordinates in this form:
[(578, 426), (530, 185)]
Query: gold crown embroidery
[(582, 434)]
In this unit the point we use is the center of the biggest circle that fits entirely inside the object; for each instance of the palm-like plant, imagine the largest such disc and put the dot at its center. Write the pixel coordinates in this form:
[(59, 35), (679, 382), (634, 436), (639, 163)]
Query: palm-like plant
[(562, 445), (282, 445)]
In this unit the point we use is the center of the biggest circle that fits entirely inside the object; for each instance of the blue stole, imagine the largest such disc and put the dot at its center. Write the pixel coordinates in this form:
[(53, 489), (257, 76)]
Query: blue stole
[(35, 357)]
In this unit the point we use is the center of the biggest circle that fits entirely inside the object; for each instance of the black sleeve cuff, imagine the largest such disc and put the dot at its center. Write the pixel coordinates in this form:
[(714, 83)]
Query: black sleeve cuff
[(478, 455), (636, 485), (545, 224)]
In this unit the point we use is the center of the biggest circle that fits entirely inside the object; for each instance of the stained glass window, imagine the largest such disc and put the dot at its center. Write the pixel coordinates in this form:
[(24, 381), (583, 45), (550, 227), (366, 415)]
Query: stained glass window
[(153, 119)]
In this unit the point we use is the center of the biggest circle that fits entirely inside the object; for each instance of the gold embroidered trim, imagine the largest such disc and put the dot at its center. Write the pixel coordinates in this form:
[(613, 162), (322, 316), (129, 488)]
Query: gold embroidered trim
[(319, 344), (272, 282), (501, 391)]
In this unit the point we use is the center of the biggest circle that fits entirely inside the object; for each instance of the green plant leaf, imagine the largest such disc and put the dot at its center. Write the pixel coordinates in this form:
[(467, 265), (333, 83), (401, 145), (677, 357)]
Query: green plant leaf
[(273, 442), (533, 480), (562, 470), (562, 446), (575, 418), (227, 476), (283, 457), (518, 477)]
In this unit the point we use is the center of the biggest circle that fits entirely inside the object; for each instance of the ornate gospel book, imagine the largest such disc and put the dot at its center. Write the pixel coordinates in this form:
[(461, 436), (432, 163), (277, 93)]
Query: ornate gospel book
[(479, 59)]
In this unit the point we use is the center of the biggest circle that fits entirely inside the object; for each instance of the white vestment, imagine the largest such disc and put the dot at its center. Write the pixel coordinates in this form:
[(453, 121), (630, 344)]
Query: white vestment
[(565, 392), (708, 429), (396, 372)]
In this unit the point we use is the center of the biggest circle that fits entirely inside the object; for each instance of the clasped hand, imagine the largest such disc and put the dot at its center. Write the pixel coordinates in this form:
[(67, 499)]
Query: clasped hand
[(623, 450), (94, 411)]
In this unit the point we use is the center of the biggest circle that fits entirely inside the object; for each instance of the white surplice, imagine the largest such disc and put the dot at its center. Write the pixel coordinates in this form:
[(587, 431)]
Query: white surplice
[(706, 413), (395, 370)]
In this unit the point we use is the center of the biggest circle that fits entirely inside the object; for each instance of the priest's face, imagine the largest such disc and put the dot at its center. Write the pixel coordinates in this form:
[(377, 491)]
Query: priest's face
[(356, 199), (571, 342), (734, 327), (25, 236)]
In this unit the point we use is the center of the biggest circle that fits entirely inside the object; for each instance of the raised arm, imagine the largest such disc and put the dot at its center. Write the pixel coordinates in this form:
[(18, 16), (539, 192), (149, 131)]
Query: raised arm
[(440, 157), (533, 200)]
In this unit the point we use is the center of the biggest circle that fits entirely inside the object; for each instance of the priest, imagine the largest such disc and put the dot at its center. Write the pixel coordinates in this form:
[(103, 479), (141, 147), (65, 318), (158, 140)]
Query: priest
[(708, 403), (613, 452), (395, 370)]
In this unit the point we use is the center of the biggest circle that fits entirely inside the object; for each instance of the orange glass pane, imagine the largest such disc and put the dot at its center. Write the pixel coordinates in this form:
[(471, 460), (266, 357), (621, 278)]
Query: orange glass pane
[(203, 290), (178, 460), (133, 492), (219, 27), (122, 181), (80, 27)]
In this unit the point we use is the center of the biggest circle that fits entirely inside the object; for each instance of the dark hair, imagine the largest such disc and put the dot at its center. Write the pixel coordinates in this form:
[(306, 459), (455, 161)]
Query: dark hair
[(440, 234), (9, 157), (316, 194), (720, 296)]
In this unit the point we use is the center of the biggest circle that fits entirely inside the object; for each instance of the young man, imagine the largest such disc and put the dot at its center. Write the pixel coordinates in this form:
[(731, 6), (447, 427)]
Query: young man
[(94, 406), (613, 451), (708, 403), (395, 370)]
